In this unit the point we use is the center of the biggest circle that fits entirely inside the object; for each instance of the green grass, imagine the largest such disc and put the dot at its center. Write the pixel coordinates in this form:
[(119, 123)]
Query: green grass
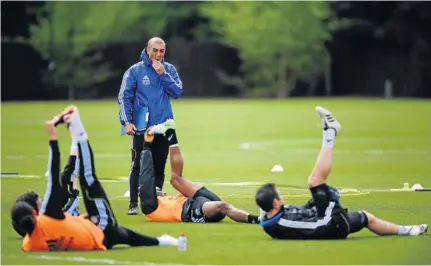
[(382, 145)]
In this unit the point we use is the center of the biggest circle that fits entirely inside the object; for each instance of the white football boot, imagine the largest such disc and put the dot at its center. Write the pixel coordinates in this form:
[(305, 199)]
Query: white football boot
[(162, 128), (418, 230), (328, 120)]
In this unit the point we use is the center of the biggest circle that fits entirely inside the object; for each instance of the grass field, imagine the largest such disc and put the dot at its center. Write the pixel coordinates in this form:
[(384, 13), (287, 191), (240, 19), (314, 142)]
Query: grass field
[(383, 144)]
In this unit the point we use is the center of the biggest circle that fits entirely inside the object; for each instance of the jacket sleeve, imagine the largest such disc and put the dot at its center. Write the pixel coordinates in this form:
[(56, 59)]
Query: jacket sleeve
[(126, 96), (171, 82)]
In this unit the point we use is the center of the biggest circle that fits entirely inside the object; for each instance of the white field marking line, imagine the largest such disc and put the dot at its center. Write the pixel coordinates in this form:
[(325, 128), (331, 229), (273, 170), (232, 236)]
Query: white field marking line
[(21, 176), (342, 190), (95, 260), (243, 196), (122, 180), (258, 184), (250, 146), (347, 151), (289, 142), (44, 156), (295, 141)]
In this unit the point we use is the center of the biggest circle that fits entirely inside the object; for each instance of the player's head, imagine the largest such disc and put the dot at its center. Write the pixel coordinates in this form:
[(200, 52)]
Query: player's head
[(32, 199), (23, 217), (268, 197), (156, 48)]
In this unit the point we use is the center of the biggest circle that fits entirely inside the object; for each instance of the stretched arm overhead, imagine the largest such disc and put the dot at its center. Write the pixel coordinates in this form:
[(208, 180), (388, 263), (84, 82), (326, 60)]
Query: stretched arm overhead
[(147, 187), (53, 200), (214, 208)]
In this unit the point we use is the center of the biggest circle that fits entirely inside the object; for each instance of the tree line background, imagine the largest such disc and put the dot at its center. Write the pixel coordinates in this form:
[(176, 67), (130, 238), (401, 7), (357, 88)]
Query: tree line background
[(77, 50)]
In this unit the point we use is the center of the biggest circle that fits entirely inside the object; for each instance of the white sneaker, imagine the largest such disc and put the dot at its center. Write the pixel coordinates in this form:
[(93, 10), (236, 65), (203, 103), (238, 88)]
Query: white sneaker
[(163, 127), (328, 120), (70, 113), (167, 240), (418, 230), (60, 118)]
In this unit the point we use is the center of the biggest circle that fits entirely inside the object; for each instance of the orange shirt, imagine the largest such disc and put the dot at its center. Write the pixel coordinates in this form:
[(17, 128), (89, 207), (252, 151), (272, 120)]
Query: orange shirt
[(169, 209), (71, 233)]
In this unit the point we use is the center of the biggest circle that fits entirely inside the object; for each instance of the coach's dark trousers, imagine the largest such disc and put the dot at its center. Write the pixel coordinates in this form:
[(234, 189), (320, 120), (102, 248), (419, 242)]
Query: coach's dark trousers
[(160, 151)]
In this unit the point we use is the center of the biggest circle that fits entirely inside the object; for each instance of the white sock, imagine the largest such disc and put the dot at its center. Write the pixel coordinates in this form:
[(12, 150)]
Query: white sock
[(328, 138), (77, 129), (404, 230), (165, 241)]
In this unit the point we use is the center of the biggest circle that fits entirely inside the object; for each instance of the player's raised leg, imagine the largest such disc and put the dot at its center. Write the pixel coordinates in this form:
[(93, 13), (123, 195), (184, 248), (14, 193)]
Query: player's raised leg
[(68, 181), (322, 168), (147, 187), (317, 179), (184, 186), (181, 184), (96, 201), (168, 129)]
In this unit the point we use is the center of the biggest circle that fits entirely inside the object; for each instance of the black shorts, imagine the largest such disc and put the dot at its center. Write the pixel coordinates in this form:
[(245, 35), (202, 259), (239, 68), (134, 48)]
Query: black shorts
[(194, 213), (357, 221), (171, 137)]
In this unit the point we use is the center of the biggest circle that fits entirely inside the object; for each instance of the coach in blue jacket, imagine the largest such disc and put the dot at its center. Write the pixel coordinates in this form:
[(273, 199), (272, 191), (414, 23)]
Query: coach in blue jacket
[(144, 100)]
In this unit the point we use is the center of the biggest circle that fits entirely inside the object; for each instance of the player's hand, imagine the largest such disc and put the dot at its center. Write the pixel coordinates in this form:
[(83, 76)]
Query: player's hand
[(148, 137), (70, 109), (130, 129), (158, 66), (51, 129)]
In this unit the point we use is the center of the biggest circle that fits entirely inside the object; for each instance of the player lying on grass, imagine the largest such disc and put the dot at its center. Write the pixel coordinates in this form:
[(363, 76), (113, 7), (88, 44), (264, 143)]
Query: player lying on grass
[(194, 204), (70, 203), (322, 217), (68, 176), (53, 230)]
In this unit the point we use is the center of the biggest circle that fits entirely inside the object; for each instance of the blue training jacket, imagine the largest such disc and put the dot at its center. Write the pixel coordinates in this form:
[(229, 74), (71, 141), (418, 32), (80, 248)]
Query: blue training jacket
[(143, 87)]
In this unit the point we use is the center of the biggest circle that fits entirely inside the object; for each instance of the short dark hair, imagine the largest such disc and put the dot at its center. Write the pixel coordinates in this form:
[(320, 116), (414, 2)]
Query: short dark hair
[(22, 218), (265, 196), (30, 198)]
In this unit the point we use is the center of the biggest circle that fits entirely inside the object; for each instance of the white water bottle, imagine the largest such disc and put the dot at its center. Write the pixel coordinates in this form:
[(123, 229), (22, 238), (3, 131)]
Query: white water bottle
[(182, 242)]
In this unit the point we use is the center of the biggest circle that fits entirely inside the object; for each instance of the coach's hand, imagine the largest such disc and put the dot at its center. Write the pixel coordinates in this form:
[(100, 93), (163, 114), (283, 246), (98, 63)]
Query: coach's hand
[(158, 66), (130, 129)]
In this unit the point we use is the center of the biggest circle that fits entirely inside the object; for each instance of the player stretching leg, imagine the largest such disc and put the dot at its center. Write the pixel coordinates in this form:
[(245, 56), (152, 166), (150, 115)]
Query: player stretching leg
[(70, 232), (68, 179), (70, 200), (194, 204), (322, 217)]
